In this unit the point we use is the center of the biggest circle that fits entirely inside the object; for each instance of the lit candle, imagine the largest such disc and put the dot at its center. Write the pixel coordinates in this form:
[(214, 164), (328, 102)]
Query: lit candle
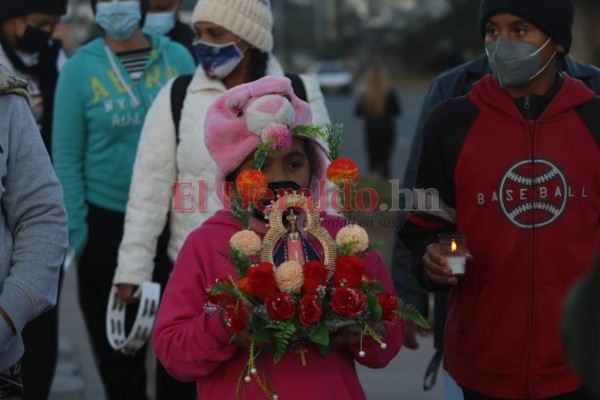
[(456, 262), (453, 248)]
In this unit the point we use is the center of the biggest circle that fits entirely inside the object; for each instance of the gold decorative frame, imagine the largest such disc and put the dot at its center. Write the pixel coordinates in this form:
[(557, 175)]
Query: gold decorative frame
[(299, 202)]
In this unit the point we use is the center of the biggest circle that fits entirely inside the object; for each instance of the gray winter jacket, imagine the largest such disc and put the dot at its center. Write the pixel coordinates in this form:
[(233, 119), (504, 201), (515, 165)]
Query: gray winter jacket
[(33, 220)]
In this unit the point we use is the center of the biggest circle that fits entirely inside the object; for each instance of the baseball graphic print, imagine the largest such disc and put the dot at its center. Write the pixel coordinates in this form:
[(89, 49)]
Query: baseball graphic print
[(533, 193)]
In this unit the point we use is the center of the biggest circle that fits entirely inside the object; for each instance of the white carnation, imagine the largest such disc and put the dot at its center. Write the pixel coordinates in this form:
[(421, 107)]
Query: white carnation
[(289, 277), (353, 233), (246, 241)]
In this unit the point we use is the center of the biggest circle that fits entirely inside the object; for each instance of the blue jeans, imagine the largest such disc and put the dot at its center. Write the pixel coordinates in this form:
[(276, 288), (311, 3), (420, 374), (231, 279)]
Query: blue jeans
[(451, 389)]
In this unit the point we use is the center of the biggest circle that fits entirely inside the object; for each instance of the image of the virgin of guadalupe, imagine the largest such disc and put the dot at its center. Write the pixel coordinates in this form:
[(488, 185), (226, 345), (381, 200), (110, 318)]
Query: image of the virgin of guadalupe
[(291, 226)]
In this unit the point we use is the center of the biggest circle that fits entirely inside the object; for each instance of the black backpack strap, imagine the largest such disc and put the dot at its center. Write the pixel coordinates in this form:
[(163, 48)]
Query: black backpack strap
[(298, 86), (178, 92)]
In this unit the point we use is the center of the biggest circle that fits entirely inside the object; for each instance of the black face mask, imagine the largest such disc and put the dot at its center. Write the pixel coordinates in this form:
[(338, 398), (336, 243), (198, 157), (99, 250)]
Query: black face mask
[(33, 40), (277, 188)]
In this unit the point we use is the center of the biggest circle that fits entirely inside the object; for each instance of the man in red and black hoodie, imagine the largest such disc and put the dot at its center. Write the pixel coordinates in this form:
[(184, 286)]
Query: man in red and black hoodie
[(515, 165)]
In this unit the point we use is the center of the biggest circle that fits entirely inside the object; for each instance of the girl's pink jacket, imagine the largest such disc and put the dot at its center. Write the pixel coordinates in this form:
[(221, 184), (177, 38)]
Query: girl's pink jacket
[(194, 345)]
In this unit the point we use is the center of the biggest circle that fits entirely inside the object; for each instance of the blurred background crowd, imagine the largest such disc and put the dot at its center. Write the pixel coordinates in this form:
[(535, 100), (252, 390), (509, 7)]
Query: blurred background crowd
[(336, 39)]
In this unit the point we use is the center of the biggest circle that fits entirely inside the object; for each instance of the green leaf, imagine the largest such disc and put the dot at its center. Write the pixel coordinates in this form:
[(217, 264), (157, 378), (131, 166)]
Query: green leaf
[(345, 249), (260, 155), (321, 335), (324, 350), (372, 287), (261, 335), (240, 261), (409, 313), (308, 130), (376, 311), (282, 334), (334, 135)]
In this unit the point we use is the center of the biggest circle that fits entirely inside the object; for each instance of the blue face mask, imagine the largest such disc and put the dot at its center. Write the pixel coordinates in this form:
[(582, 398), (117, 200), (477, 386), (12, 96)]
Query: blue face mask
[(119, 19), (218, 61), (159, 23)]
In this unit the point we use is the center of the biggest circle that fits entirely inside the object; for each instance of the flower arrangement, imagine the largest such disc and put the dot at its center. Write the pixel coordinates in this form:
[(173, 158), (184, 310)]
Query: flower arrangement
[(292, 304)]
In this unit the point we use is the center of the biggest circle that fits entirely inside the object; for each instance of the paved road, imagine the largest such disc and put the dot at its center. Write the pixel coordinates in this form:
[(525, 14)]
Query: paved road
[(341, 110), (77, 377)]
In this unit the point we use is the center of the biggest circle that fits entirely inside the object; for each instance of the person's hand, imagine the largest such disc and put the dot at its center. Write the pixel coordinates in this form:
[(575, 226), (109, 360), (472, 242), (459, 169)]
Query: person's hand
[(125, 292), (436, 267), (347, 336), (410, 337)]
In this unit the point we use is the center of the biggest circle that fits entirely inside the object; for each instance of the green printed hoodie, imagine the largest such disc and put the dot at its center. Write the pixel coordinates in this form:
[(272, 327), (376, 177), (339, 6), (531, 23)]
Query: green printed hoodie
[(98, 117)]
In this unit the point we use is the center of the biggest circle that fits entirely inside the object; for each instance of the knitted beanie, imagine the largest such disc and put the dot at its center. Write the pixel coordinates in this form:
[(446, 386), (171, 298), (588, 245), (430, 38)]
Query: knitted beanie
[(251, 20), (554, 17), (18, 8), (238, 119)]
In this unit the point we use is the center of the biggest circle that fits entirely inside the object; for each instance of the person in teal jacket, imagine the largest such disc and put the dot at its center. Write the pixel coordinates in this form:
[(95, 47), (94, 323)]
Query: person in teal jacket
[(103, 94)]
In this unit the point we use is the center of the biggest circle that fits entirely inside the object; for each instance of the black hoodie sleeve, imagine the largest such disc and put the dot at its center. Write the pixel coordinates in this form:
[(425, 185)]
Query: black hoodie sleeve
[(434, 204), (588, 112)]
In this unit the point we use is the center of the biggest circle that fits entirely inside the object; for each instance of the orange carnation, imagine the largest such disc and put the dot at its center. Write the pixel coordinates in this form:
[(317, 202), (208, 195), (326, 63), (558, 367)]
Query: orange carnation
[(249, 181), (244, 284), (342, 170)]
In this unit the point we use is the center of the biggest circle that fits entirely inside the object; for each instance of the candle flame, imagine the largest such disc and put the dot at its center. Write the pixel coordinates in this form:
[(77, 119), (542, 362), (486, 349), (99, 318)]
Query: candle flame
[(453, 247)]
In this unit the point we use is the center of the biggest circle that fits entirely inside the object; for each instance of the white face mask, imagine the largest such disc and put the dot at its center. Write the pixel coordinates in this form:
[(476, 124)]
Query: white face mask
[(160, 23)]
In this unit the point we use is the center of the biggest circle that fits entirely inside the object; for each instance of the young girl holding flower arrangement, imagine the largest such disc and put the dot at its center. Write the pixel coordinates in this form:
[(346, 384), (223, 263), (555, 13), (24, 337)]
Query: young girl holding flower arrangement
[(272, 335)]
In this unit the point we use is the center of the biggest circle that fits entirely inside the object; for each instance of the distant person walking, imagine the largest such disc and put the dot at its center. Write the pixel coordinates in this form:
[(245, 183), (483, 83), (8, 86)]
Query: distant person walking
[(103, 95), (378, 104)]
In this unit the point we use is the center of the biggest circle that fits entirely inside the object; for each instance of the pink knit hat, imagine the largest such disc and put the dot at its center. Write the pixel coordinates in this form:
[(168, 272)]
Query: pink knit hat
[(236, 119)]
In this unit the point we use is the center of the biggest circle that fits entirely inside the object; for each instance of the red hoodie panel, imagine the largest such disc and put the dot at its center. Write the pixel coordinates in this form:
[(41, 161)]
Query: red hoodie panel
[(528, 200)]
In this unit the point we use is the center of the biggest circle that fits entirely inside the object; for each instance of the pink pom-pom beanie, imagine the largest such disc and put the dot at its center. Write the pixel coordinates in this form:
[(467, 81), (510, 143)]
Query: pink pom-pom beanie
[(236, 120)]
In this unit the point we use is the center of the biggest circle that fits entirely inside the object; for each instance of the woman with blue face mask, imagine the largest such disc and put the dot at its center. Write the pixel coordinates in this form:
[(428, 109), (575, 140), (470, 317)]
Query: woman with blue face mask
[(162, 19), (103, 95), (233, 43)]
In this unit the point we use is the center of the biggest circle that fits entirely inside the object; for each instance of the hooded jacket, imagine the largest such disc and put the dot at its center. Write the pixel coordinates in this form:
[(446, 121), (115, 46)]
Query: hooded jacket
[(162, 160), (33, 220), (194, 345), (98, 118), (527, 195)]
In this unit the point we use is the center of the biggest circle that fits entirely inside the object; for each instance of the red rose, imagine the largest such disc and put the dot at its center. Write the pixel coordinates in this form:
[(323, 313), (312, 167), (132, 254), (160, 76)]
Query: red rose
[(347, 302), (315, 275), (222, 299), (349, 268), (236, 317), (310, 310), (280, 306), (389, 306), (261, 280)]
